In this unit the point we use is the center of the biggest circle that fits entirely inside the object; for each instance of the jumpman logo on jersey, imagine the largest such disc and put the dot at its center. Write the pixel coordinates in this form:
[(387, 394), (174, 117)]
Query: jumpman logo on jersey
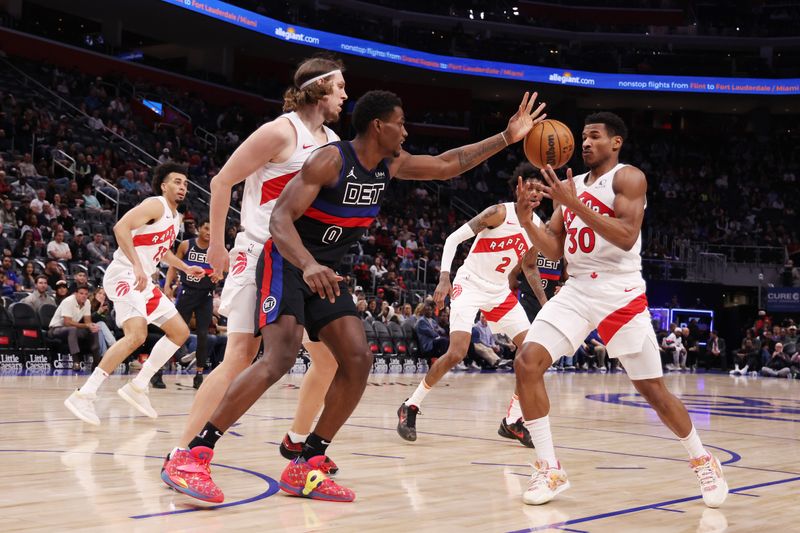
[(352, 173)]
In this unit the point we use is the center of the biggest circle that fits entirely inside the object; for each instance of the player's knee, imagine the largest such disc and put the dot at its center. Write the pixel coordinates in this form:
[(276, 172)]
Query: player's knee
[(135, 338), (532, 360)]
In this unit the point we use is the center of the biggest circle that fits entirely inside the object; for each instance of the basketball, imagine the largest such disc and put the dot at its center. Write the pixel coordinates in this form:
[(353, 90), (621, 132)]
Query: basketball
[(549, 142)]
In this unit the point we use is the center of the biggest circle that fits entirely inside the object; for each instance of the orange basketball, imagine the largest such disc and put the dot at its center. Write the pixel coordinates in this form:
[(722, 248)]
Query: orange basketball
[(549, 142)]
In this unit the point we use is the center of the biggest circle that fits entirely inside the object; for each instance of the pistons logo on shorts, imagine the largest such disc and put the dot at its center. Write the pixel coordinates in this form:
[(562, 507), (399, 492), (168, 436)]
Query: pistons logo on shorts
[(239, 264), (269, 304), (456, 291), (123, 288)]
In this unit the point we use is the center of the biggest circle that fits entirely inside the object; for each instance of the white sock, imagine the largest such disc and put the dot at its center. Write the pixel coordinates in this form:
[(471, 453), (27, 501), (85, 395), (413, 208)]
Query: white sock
[(744, 370), (162, 351), (514, 410), (297, 438), (693, 445), (419, 394), (95, 380), (542, 439)]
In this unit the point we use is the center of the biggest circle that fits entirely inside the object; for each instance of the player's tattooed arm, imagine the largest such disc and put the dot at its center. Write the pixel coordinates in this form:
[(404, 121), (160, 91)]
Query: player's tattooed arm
[(491, 217), (531, 271)]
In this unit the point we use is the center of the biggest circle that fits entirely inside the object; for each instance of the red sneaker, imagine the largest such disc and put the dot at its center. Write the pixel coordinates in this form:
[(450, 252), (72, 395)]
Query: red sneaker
[(324, 464), (289, 449), (300, 478), (189, 472)]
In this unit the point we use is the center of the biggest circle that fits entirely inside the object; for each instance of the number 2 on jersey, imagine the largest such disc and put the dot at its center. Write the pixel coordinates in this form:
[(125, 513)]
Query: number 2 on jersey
[(583, 238), (503, 265)]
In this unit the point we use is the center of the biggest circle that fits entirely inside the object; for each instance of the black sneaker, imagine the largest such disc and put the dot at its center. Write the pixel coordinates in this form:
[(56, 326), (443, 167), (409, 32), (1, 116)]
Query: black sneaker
[(516, 431), (157, 381), (198, 380), (407, 422), (290, 450)]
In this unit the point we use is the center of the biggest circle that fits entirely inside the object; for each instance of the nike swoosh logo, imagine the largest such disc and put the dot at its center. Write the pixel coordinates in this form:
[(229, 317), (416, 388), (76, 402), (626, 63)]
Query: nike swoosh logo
[(511, 223), (629, 290), (306, 146)]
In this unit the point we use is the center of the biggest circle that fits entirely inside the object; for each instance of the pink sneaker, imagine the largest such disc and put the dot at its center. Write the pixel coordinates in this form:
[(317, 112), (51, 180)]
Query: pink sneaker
[(189, 472)]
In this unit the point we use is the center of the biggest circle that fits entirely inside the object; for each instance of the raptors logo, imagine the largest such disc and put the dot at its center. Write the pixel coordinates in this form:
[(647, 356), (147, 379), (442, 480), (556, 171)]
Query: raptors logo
[(269, 304), (456, 291), (239, 264), (123, 288)]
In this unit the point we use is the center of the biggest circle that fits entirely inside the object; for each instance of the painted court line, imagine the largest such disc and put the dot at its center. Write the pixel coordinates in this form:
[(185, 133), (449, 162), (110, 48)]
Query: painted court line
[(647, 507)]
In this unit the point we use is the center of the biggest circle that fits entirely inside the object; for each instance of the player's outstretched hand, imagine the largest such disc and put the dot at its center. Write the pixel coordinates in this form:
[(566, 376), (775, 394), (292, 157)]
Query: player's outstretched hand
[(322, 280), (561, 192), (218, 259), (443, 290), (524, 119)]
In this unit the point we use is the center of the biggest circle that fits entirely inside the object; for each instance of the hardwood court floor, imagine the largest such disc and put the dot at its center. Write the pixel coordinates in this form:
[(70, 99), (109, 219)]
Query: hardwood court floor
[(626, 470)]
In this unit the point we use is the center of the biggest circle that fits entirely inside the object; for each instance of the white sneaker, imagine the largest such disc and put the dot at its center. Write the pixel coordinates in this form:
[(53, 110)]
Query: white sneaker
[(546, 482), (603, 370), (138, 398), (82, 405), (713, 486), (186, 359), (460, 366)]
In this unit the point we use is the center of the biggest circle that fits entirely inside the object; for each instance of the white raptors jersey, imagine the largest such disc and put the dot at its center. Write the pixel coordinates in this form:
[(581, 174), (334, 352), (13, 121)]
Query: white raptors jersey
[(152, 241), (585, 250), (496, 251), (262, 188)]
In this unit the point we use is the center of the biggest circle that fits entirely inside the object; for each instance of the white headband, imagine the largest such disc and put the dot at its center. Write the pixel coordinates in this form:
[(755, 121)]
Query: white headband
[(317, 78)]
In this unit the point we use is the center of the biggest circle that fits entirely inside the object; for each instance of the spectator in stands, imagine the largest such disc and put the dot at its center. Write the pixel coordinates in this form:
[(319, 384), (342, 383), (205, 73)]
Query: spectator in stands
[(62, 291), (79, 279), (65, 219), (716, 353), (74, 197), (673, 344), (37, 204), (101, 315), (128, 182), (90, 201), (53, 273), (748, 357), (377, 270), (26, 166), (26, 248), (21, 189), (406, 312), (6, 286), (11, 273), (779, 364), (7, 214), (593, 350), (361, 310), (33, 226), (99, 250), (432, 338), (58, 249), (791, 335), (73, 321), (5, 188), (41, 295), (28, 277), (484, 345), (80, 253)]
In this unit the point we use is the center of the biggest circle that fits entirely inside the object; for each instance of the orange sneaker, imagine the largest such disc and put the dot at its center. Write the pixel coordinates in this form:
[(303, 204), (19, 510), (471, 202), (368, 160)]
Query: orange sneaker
[(302, 478)]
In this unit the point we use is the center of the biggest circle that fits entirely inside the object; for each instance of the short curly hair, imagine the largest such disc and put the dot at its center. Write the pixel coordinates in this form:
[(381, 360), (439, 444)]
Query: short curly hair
[(372, 105)]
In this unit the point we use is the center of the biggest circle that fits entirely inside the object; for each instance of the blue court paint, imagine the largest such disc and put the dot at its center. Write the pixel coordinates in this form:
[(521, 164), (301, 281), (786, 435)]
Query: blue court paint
[(235, 434), (376, 455), (572, 530), (708, 405), (665, 509), (745, 494), (630, 510), (272, 485)]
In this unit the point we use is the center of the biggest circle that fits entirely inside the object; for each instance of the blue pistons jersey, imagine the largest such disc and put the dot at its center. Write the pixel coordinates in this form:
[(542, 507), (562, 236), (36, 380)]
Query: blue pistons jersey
[(341, 213)]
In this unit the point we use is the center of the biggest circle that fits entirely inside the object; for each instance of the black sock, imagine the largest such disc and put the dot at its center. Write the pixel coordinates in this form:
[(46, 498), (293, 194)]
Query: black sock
[(208, 437), (314, 445)]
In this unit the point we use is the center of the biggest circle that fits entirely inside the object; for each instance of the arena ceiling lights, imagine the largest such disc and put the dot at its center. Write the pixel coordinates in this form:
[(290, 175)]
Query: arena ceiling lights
[(475, 67)]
